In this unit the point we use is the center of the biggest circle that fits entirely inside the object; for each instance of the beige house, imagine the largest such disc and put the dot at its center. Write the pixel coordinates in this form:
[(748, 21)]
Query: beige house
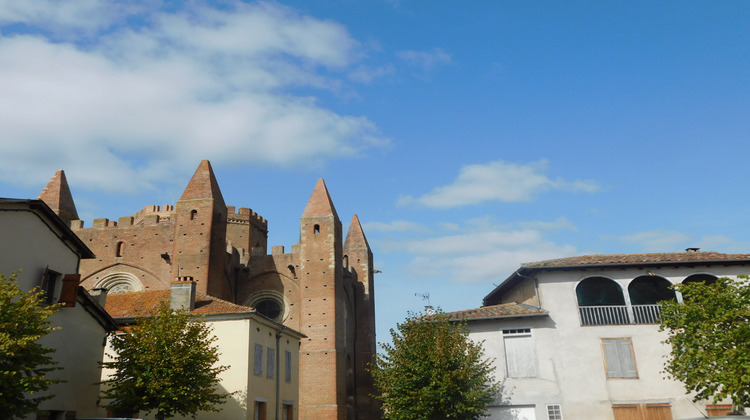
[(578, 338), (262, 355), (45, 253)]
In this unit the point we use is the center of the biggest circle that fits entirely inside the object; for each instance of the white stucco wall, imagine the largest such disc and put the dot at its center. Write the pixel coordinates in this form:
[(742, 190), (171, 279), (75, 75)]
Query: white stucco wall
[(32, 245), (569, 356)]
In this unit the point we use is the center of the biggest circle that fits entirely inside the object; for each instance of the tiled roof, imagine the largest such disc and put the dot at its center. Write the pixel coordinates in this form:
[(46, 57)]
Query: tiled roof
[(135, 304), (617, 259), (503, 310)]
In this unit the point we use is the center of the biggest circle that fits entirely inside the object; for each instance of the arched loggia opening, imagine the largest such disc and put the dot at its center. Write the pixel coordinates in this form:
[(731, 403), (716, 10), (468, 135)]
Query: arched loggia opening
[(601, 302), (645, 294)]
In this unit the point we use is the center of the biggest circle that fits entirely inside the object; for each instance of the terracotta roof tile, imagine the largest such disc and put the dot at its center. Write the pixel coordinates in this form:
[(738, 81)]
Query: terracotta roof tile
[(135, 304), (504, 310), (616, 259)]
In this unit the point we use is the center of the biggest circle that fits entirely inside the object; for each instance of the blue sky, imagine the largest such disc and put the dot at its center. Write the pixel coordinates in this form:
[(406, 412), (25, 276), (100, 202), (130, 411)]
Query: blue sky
[(468, 137)]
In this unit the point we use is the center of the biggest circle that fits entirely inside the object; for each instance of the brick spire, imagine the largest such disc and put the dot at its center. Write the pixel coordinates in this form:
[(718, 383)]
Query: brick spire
[(58, 197), (320, 203), (203, 185), (355, 236)]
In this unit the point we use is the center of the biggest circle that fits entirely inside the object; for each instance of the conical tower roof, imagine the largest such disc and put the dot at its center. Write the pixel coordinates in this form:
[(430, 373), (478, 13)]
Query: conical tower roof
[(58, 197), (203, 185), (355, 236), (320, 203)]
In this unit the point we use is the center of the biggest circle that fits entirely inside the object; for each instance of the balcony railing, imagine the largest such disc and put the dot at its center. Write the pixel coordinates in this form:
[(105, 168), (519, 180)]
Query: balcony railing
[(618, 314)]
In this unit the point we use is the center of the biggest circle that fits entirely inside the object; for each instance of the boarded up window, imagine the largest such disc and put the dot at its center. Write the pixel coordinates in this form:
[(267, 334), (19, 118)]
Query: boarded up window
[(288, 366), (716, 410), (520, 355), (654, 411), (619, 360), (270, 363), (258, 363)]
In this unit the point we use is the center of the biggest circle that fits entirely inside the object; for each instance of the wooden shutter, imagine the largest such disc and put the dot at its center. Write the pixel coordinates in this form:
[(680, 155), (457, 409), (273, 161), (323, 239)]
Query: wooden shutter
[(69, 290), (618, 358), (627, 411), (520, 357), (270, 363), (258, 362), (657, 411)]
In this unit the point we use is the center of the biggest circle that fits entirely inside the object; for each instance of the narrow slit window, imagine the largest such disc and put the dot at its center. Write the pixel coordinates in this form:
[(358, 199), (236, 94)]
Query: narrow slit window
[(316, 229)]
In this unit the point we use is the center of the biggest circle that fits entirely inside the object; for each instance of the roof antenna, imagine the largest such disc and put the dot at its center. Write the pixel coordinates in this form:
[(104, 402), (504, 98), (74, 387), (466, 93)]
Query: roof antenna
[(428, 309)]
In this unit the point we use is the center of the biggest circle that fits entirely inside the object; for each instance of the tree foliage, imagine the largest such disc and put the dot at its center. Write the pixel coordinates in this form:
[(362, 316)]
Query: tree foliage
[(432, 370), (165, 363), (710, 338), (24, 363)]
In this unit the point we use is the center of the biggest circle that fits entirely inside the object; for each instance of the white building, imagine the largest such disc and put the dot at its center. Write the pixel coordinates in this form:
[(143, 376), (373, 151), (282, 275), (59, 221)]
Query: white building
[(43, 251), (577, 338), (262, 355)]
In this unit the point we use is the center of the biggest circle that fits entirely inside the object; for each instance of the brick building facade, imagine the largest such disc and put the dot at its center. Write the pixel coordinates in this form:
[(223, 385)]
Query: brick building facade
[(322, 288)]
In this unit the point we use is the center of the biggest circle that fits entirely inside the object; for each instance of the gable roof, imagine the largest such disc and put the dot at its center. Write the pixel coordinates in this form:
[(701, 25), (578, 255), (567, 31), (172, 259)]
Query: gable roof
[(687, 258), (503, 310), (140, 304)]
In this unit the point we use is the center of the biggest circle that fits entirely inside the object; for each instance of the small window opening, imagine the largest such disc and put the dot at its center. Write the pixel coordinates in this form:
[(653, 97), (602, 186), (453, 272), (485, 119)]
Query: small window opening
[(192, 214), (316, 229), (119, 249)]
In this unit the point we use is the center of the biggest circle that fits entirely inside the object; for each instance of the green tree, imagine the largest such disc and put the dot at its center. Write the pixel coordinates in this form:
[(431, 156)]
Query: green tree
[(710, 338), (24, 363), (432, 370), (165, 363)]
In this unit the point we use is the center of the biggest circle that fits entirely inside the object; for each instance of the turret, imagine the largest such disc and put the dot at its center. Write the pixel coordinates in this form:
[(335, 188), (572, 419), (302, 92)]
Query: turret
[(323, 308), (56, 194), (358, 257), (199, 249)]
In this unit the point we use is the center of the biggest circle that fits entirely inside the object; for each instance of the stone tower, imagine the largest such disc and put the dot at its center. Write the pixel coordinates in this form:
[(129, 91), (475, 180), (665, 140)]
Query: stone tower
[(58, 197), (322, 356), (200, 234)]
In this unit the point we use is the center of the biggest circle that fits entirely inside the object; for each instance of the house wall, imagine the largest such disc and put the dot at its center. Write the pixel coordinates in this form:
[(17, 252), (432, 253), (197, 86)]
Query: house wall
[(79, 340), (569, 357)]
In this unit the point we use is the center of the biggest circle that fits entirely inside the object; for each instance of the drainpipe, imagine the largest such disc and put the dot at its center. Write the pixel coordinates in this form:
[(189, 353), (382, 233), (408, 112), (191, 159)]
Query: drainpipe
[(278, 371)]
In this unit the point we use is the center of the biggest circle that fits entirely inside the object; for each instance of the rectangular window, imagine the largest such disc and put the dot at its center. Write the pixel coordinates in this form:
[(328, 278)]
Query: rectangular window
[(520, 355), (49, 285), (270, 363), (258, 364), (554, 412), (259, 411), (288, 366), (287, 412), (619, 360)]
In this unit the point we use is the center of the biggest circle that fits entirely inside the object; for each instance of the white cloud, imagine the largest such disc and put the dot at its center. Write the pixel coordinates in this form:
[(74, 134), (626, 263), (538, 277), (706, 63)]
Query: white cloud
[(396, 226), (658, 240), (122, 107), (425, 60), (481, 253), (496, 181)]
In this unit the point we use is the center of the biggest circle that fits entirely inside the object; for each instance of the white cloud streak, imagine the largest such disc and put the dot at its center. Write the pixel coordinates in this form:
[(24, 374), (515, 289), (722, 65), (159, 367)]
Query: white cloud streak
[(120, 107), (497, 181)]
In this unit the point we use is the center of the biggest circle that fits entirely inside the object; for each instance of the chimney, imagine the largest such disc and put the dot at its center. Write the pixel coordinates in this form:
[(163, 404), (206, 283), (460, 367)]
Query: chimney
[(182, 295), (429, 310), (100, 296)]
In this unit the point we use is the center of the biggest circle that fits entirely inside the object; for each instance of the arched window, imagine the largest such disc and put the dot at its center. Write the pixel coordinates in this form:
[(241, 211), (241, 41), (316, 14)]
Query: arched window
[(705, 278), (599, 291), (648, 290), (119, 249), (601, 302), (193, 213)]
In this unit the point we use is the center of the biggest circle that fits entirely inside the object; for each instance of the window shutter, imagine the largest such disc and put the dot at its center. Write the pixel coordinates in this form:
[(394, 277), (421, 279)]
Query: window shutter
[(258, 364), (69, 290), (270, 363), (618, 358), (288, 365), (520, 357)]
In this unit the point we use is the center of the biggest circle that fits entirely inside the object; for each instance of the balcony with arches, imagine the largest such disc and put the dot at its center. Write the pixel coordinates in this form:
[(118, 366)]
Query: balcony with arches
[(602, 301)]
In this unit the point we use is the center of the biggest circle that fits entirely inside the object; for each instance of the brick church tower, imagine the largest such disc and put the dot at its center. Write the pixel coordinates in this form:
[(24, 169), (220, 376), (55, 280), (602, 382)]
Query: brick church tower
[(322, 288)]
